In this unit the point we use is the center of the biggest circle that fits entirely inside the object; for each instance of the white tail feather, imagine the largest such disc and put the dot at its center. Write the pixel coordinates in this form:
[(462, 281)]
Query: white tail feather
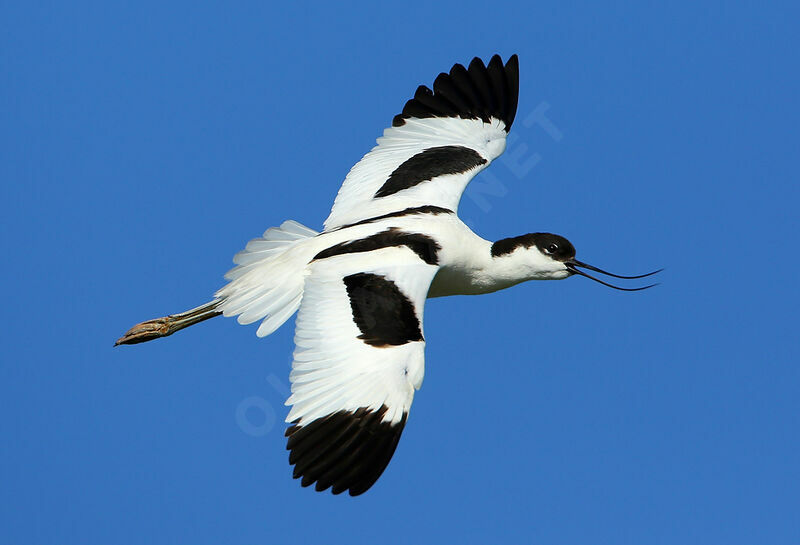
[(267, 282)]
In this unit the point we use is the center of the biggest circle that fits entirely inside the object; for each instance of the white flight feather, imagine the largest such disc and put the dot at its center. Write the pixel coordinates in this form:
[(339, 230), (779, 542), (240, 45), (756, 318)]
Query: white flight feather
[(267, 282), (333, 369), (355, 200)]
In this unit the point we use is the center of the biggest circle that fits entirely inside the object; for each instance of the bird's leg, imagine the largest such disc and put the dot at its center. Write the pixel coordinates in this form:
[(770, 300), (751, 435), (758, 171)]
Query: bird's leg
[(161, 327)]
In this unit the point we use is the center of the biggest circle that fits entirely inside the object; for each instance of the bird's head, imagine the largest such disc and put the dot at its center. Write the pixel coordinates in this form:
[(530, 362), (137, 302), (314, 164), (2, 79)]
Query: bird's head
[(545, 256)]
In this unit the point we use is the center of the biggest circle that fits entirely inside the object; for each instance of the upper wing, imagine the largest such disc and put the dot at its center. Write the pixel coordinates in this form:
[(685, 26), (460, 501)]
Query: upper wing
[(357, 361), (440, 141)]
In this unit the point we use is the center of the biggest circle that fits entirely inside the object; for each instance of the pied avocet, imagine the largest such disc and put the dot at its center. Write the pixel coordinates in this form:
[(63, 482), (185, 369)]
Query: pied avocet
[(392, 240)]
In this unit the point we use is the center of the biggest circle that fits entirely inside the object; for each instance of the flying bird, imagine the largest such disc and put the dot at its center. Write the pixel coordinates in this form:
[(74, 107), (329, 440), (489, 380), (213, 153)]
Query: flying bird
[(392, 239)]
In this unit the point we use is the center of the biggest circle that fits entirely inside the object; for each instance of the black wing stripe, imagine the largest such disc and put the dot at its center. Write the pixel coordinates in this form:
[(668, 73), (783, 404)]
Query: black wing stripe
[(427, 209), (427, 165), (424, 246), (480, 92), (383, 313)]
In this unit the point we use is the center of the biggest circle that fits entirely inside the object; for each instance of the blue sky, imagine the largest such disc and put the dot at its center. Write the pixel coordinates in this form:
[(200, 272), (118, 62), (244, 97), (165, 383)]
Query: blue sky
[(144, 143)]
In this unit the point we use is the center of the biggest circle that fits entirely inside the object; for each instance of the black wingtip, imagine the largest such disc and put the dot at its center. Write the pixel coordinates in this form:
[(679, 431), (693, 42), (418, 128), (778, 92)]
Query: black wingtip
[(478, 92), (344, 451)]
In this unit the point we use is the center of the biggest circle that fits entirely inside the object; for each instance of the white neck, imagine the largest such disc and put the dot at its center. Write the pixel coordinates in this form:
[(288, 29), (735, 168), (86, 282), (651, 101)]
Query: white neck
[(473, 270)]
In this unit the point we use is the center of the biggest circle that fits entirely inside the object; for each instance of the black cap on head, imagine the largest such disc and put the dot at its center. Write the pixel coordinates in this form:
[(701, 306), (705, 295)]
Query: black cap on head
[(555, 246), (549, 244)]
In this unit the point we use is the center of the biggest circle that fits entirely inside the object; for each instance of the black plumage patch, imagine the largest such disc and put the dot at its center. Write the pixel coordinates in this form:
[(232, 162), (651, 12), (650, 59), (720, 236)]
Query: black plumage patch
[(346, 450), (382, 312), (477, 92), (427, 165), (422, 245), (555, 246), (427, 209)]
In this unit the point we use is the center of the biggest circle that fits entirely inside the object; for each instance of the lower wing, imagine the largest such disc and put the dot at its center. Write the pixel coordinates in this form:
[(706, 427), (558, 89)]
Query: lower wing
[(359, 357)]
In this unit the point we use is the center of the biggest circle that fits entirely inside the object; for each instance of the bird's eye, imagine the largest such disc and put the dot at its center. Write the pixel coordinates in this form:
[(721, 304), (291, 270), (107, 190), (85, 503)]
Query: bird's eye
[(553, 248)]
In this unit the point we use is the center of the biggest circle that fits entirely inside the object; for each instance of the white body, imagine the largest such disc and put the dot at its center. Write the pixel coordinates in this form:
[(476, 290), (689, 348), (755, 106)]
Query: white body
[(272, 269), (392, 240), (360, 286)]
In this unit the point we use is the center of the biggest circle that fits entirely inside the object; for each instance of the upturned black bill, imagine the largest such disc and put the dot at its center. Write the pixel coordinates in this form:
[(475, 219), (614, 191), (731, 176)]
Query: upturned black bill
[(573, 265)]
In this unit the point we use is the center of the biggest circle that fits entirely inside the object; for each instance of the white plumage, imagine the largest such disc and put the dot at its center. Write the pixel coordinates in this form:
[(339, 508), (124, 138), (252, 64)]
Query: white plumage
[(265, 282), (333, 370), (392, 240), (398, 144)]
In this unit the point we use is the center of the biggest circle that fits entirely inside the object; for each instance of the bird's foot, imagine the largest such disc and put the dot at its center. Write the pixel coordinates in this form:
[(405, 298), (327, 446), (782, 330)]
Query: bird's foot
[(147, 331)]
